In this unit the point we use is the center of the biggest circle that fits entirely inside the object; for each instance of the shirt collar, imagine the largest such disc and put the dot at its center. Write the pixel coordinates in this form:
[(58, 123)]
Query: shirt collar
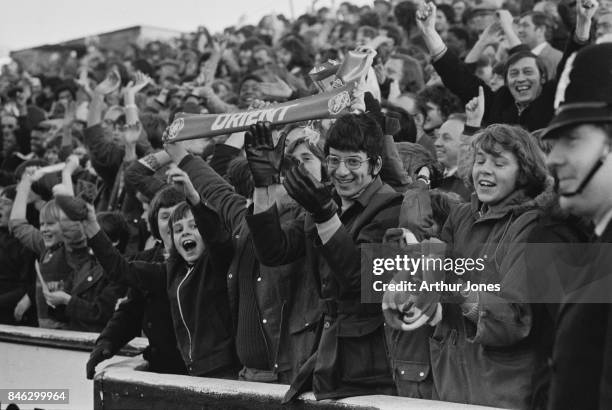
[(539, 48), (449, 172), (366, 195), (600, 227)]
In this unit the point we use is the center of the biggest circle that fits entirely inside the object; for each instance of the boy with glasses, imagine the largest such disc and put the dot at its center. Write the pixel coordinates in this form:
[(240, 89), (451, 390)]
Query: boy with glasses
[(350, 358)]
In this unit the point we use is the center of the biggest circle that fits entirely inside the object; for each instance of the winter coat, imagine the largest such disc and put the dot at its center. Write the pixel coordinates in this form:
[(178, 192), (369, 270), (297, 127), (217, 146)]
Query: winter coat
[(351, 358), (581, 366), (92, 296), (54, 266), (489, 359), (559, 241)]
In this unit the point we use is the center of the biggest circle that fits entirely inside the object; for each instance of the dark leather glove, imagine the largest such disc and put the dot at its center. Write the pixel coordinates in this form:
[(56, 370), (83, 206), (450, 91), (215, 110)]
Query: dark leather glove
[(74, 208), (313, 195), (388, 123), (265, 160), (100, 353)]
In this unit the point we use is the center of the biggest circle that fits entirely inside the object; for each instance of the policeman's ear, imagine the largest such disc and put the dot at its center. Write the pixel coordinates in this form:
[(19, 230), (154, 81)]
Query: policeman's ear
[(376, 166)]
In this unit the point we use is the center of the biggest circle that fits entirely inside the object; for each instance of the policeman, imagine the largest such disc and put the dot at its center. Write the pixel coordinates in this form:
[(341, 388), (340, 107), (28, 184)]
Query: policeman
[(580, 160)]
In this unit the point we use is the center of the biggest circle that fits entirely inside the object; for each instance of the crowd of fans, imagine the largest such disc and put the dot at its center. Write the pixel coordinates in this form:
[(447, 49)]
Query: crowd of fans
[(237, 263)]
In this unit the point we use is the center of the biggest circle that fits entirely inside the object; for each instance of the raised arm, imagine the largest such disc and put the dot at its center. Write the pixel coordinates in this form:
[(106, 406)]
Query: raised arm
[(274, 245), (454, 73), (585, 11), (29, 236), (493, 34), (133, 132), (142, 175), (215, 191), (141, 275), (110, 84)]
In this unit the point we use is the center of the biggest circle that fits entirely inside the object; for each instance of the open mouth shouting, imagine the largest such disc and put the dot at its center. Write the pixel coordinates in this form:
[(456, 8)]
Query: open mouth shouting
[(189, 245)]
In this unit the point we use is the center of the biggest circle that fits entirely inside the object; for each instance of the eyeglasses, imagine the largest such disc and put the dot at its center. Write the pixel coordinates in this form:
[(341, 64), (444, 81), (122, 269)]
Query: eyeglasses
[(116, 125), (350, 163)]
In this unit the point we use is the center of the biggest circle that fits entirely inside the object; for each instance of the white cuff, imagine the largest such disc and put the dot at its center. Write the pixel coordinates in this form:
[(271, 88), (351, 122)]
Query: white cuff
[(328, 228)]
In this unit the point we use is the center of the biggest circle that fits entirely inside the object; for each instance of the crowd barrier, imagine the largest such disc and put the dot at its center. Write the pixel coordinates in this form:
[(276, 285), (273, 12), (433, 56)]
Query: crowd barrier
[(33, 358)]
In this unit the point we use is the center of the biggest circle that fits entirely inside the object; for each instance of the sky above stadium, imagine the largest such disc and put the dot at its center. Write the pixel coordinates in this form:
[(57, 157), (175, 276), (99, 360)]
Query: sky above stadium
[(27, 23)]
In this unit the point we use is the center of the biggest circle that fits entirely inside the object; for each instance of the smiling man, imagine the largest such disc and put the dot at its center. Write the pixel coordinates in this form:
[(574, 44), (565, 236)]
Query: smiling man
[(351, 358), (447, 152), (581, 160), (527, 98)]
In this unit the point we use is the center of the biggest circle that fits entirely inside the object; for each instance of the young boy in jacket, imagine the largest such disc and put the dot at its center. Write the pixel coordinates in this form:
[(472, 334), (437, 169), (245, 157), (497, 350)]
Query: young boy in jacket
[(146, 311), (351, 357), (193, 277)]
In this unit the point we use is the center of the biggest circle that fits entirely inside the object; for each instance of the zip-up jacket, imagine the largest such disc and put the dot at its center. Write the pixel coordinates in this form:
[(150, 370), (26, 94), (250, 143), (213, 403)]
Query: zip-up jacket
[(197, 293)]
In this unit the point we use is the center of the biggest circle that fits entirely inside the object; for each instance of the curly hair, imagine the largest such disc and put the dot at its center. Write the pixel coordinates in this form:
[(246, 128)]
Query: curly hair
[(532, 171), (443, 98)]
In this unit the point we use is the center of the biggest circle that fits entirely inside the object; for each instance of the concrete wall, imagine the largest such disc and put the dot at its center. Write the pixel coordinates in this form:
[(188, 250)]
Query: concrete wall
[(32, 358), (121, 387)]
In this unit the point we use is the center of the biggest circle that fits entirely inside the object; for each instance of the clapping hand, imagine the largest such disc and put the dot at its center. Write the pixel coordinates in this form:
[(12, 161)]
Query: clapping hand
[(140, 81), (493, 34), (311, 194), (111, 82)]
